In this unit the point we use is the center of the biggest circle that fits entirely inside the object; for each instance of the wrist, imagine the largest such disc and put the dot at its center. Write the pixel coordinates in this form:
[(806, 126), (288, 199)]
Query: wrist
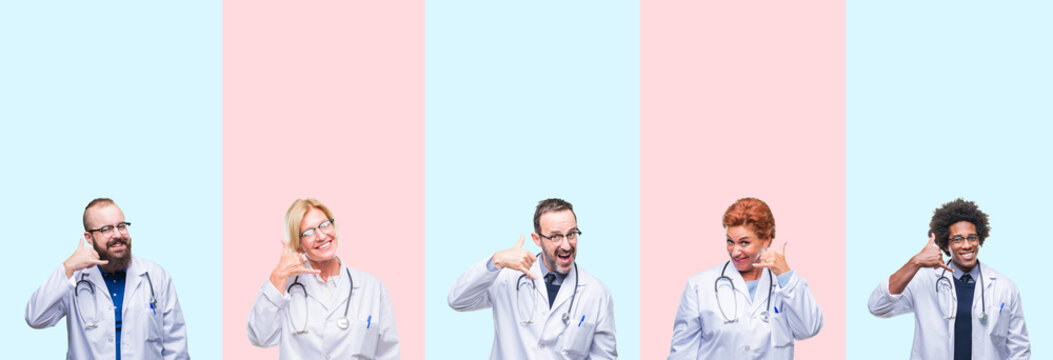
[(277, 278), (915, 264), (69, 270)]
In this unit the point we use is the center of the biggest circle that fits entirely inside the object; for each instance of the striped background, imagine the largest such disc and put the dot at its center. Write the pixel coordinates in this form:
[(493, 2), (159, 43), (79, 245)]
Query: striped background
[(433, 128)]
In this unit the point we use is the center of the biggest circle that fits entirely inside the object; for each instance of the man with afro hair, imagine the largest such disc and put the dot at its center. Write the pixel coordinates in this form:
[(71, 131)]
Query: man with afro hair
[(962, 307)]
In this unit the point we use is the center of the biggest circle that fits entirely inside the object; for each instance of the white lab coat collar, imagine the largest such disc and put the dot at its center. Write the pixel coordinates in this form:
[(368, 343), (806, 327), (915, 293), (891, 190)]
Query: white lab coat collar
[(988, 273), (566, 291), (134, 281), (758, 301), (311, 285), (135, 276), (990, 277)]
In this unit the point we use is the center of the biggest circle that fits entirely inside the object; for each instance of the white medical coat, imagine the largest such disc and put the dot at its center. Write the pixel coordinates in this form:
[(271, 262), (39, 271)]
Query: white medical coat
[(1004, 336), (547, 337), (699, 331), (145, 333), (372, 333)]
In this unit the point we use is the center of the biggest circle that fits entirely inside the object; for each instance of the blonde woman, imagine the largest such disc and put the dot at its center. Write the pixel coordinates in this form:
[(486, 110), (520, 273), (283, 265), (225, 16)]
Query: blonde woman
[(313, 306)]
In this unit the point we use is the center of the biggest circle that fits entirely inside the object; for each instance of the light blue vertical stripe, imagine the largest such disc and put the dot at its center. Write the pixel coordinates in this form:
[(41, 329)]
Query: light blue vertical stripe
[(117, 99), (946, 99), (526, 101)]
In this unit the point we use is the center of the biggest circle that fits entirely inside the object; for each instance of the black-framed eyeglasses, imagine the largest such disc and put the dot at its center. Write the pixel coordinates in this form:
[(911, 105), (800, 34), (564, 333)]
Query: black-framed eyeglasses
[(573, 235), (957, 239), (325, 227), (121, 227)]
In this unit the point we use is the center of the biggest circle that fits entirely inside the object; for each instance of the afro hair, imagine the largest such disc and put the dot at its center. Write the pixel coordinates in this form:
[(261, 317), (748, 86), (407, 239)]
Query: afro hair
[(953, 212)]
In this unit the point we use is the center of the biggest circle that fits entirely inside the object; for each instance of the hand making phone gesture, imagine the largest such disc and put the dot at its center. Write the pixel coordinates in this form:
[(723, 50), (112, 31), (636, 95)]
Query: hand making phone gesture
[(516, 258), (290, 264)]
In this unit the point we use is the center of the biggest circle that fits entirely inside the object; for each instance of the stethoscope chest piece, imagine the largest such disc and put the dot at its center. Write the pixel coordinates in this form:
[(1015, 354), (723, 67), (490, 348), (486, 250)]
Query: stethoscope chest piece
[(342, 322), (566, 318), (764, 315)]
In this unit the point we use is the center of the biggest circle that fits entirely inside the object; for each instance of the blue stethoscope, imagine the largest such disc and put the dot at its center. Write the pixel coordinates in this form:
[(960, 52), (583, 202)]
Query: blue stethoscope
[(343, 323), (716, 289), (573, 295), (945, 282), (95, 305)]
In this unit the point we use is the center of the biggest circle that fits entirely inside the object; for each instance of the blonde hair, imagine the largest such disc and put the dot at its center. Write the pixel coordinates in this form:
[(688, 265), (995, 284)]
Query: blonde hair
[(295, 215)]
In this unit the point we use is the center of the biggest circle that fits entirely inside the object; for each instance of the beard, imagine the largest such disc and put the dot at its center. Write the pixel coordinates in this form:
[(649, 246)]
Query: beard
[(552, 263), (116, 263)]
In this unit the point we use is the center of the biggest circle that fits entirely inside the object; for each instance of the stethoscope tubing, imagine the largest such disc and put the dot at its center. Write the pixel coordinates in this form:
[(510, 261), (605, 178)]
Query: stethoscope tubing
[(573, 295), (983, 301), (716, 292), (347, 305), (91, 287)]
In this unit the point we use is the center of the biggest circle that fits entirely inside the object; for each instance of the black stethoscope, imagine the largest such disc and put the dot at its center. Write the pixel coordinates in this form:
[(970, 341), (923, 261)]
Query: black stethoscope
[(343, 323), (95, 305), (946, 282), (566, 315), (716, 289)]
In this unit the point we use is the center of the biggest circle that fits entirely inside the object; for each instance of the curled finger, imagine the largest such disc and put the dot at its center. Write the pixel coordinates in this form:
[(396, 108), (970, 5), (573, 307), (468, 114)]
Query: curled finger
[(526, 271)]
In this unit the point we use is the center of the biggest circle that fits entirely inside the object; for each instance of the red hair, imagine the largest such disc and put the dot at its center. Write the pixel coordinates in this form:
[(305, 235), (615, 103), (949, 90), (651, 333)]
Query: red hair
[(752, 214)]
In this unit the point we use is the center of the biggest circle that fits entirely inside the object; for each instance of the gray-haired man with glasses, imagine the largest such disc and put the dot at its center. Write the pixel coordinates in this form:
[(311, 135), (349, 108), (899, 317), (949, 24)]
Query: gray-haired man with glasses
[(549, 308), (115, 304)]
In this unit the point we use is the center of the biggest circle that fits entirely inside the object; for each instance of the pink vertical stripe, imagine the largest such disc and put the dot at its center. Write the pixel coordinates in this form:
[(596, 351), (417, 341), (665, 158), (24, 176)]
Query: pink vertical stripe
[(324, 99), (741, 99)]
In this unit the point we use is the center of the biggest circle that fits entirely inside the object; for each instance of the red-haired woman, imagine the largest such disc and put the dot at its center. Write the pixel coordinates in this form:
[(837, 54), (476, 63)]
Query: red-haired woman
[(752, 306)]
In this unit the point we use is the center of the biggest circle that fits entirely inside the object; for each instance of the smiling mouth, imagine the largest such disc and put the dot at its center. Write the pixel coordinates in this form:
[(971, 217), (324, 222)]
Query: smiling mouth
[(324, 245), (967, 255)]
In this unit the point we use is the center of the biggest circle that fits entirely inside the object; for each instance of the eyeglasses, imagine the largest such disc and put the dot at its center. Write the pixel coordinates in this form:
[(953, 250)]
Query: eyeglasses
[(957, 239), (572, 236), (121, 227), (325, 227)]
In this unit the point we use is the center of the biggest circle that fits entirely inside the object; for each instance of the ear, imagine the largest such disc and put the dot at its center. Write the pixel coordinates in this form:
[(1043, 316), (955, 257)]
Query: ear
[(90, 240), (767, 243), (537, 239)]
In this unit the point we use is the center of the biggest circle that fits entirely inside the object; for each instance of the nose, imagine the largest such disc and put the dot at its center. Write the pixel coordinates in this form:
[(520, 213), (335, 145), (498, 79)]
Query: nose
[(565, 245), (320, 236)]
